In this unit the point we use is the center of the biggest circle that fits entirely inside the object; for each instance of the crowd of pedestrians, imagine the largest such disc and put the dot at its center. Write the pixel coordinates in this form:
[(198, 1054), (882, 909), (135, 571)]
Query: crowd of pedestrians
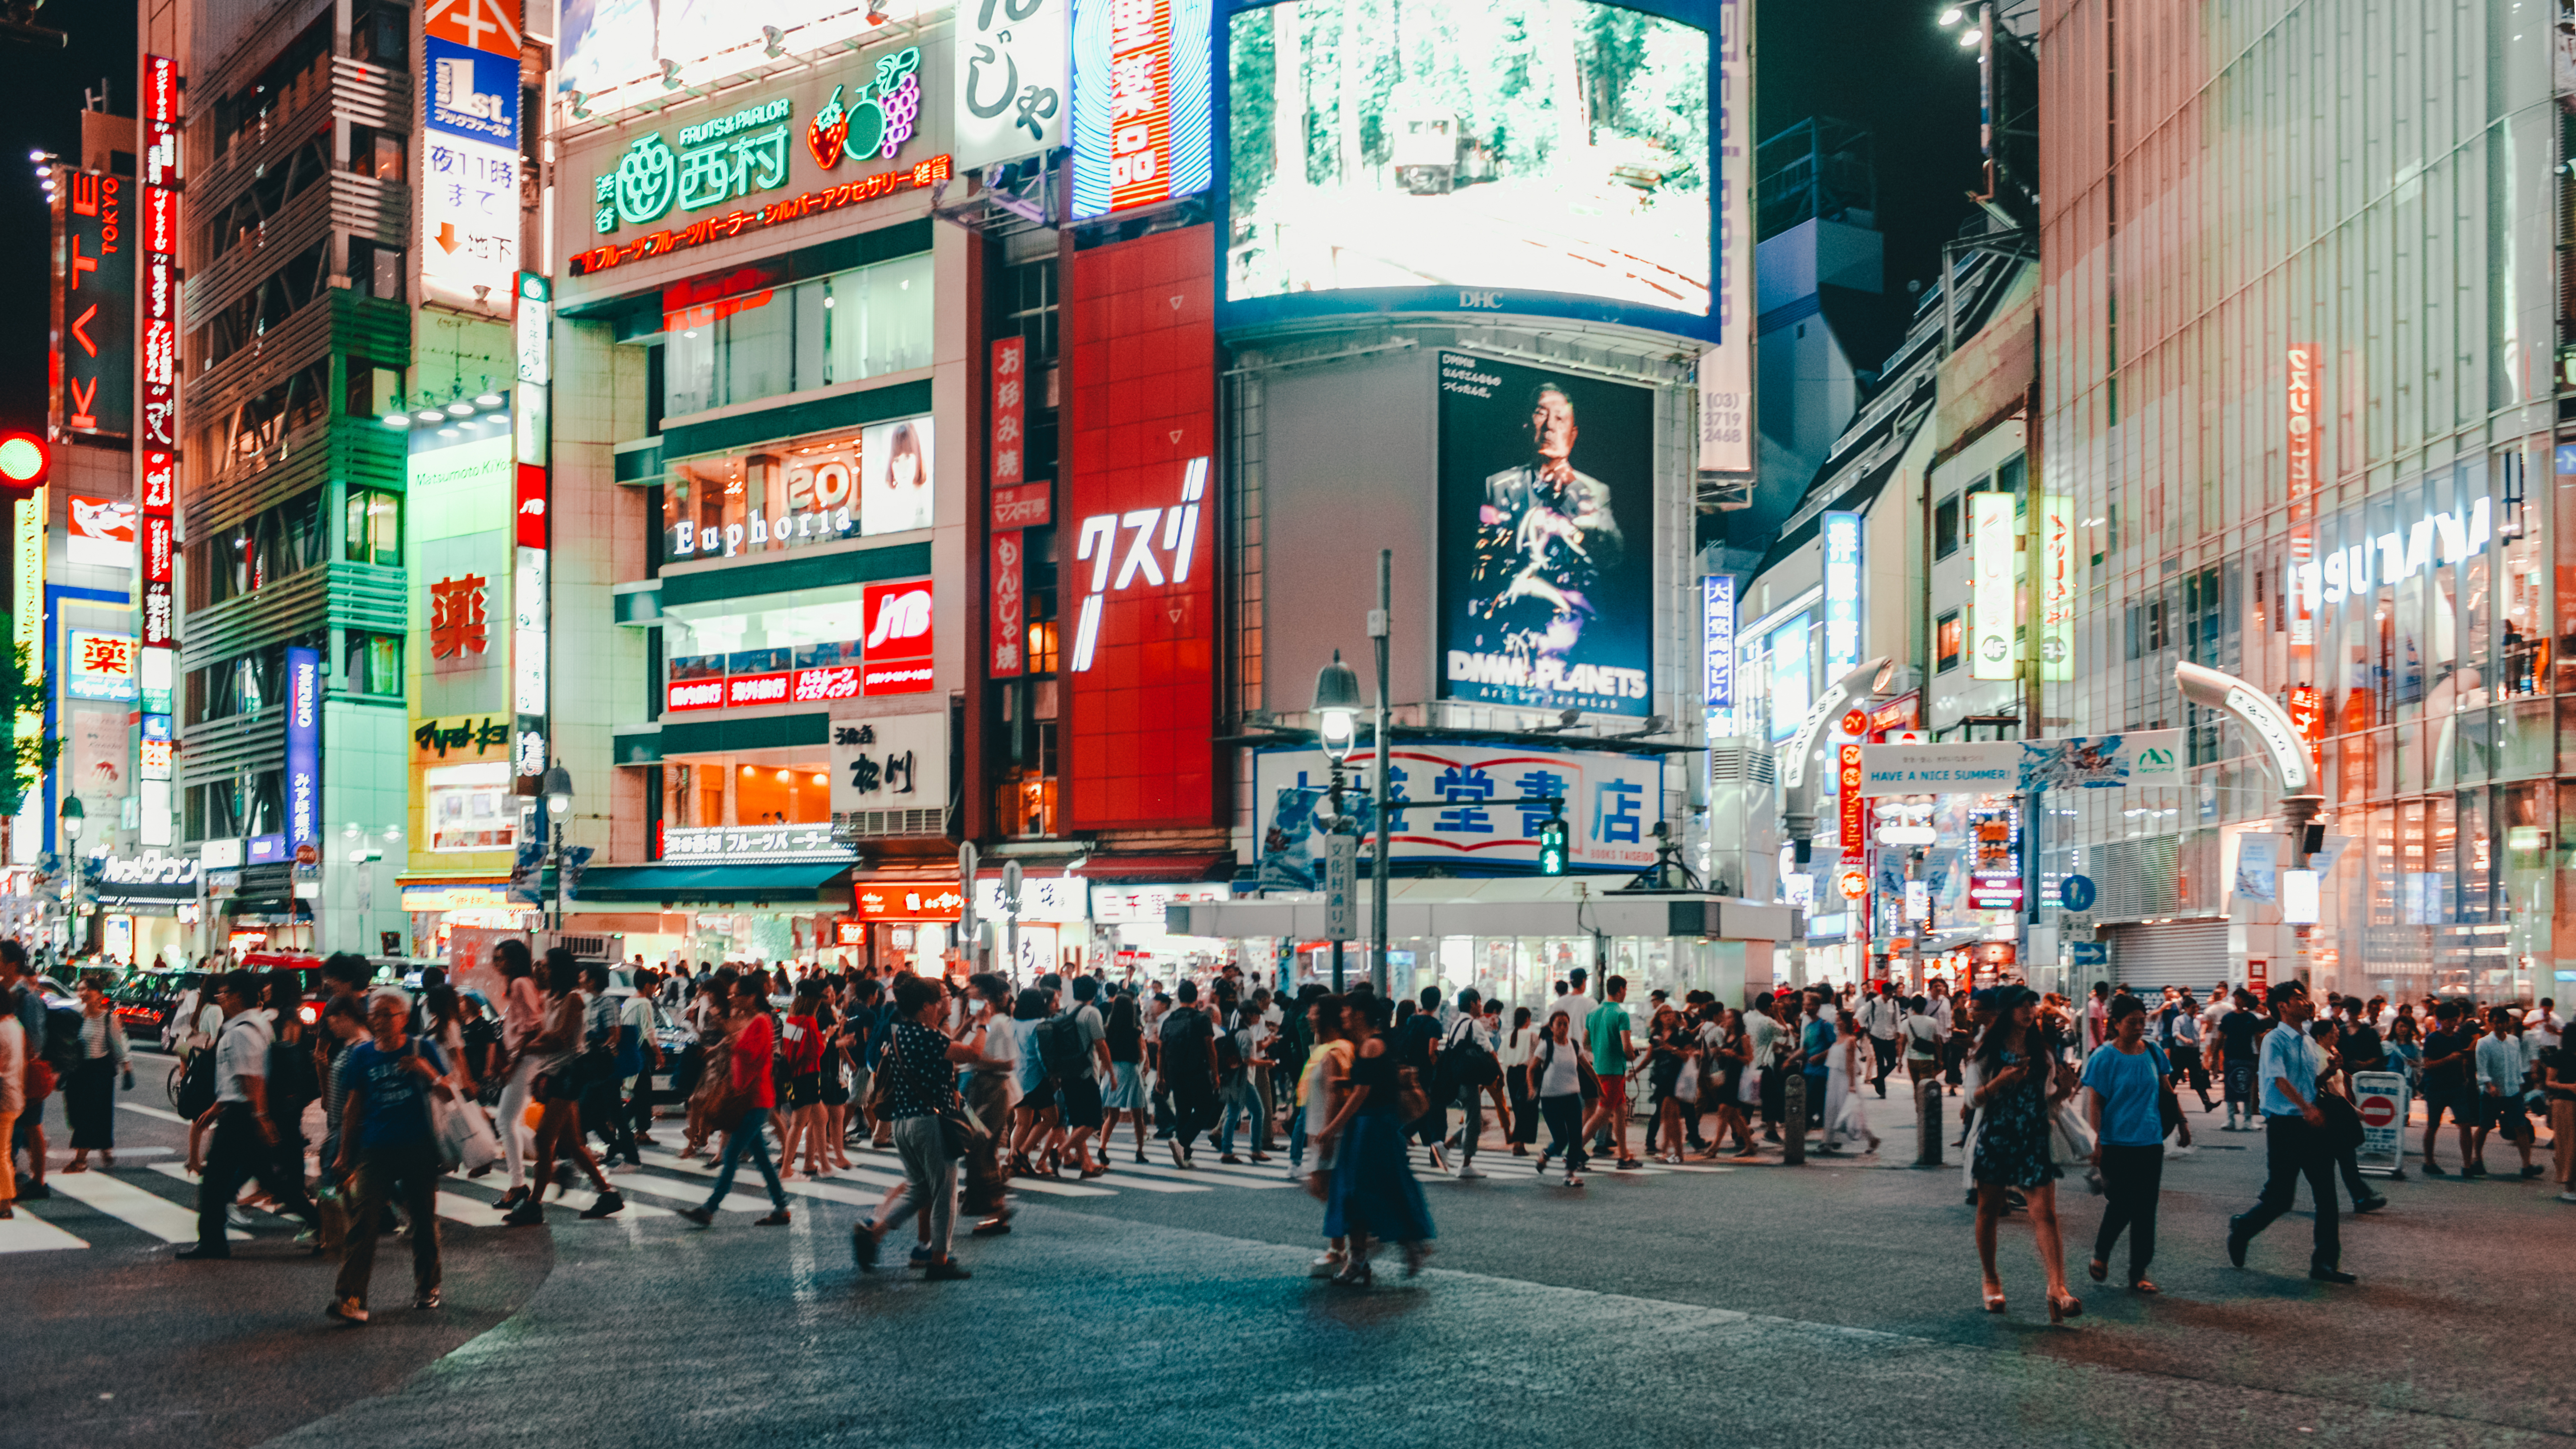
[(974, 1085)]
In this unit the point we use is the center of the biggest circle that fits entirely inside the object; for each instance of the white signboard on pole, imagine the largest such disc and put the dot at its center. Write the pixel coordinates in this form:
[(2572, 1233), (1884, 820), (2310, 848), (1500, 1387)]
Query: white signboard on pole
[(2380, 1098), (1341, 887)]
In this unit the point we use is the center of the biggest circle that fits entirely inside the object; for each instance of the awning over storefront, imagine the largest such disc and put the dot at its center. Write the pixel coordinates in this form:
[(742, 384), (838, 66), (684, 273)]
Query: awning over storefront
[(782, 884), (1215, 866)]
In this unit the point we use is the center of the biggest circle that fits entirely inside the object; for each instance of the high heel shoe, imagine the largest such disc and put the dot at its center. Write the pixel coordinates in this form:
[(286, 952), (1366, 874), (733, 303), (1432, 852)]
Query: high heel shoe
[(1994, 1299), (2062, 1309)]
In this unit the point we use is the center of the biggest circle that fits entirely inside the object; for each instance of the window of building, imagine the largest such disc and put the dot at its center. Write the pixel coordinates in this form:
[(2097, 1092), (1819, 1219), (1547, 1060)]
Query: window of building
[(373, 527), (1945, 527), (243, 221), (1946, 636), (266, 304), (256, 552), (750, 788), (801, 493), (254, 436), (230, 809), (471, 807), (376, 153), (374, 664), (380, 32), (851, 325), (376, 269)]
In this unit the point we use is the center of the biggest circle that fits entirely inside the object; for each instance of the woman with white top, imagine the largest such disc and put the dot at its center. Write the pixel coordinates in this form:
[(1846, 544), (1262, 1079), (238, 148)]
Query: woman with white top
[(1319, 1092), (1846, 1120), (1513, 1052), (1557, 1069), (1920, 1035), (522, 1015), (89, 1095)]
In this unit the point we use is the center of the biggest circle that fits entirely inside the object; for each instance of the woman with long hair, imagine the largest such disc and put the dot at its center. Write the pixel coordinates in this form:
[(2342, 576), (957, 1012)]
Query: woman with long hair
[(1846, 1119), (1319, 1092), (1557, 1069), (1724, 1065), (89, 1094), (800, 1053), (555, 1046), (749, 1085), (2016, 1088), (1670, 1048), (1514, 1054), (1126, 1039), (522, 1015), (1372, 1196)]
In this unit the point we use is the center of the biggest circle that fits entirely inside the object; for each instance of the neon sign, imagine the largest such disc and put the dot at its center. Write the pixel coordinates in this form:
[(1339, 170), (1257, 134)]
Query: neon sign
[(1099, 544)]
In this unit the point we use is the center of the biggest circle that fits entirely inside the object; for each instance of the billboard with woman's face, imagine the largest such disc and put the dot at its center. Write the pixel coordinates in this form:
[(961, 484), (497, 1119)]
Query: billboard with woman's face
[(894, 477)]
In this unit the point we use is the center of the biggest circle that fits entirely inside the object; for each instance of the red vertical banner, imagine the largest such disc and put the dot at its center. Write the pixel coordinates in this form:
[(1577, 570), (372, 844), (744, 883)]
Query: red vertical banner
[(2300, 450), (1010, 605), (1855, 823), (1010, 411), (2308, 716)]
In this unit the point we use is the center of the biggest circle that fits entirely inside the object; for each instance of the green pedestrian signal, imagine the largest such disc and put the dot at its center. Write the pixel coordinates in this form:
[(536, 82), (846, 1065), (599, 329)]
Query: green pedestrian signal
[(1551, 847)]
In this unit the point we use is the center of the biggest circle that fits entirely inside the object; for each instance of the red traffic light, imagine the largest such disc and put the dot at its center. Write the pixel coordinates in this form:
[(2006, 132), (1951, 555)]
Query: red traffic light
[(25, 460)]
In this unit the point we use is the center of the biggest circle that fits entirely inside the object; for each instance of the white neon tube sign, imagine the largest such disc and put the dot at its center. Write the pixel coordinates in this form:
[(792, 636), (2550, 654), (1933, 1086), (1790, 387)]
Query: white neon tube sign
[(1179, 530)]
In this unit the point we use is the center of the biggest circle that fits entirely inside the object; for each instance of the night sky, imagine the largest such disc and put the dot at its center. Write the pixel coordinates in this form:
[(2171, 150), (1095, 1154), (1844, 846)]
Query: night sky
[(46, 86)]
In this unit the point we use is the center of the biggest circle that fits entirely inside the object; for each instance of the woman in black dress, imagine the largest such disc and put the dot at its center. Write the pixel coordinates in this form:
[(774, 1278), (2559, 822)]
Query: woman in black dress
[(89, 1096), (2016, 1088), (1372, 1196)]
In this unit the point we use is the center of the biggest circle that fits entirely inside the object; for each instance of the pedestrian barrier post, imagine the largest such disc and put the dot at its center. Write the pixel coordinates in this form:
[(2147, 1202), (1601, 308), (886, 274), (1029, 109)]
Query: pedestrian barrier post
[(1928, 1103), (1793, 1118)]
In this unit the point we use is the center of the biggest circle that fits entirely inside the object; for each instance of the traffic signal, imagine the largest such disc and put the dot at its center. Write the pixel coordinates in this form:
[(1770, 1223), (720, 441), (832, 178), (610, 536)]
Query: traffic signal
[(25, 459), (1551, 846)]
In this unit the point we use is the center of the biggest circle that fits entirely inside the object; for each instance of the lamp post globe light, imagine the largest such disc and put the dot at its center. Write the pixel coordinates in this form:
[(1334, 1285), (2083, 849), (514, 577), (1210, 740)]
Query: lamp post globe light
[(1337, 710), (71, 817), (557, 786)]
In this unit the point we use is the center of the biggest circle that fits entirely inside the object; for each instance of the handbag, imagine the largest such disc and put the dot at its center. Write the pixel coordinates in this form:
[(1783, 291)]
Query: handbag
[(2343, 1120), (1411, 1102), (959, 1129)]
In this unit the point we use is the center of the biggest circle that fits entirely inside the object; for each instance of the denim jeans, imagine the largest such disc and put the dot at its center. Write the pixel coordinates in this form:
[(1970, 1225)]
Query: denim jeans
[(750, 1134), (1297, 1138), (1243, 1102)]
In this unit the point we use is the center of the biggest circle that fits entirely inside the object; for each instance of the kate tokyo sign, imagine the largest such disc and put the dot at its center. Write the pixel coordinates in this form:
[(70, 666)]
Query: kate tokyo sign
[(2016, 767)]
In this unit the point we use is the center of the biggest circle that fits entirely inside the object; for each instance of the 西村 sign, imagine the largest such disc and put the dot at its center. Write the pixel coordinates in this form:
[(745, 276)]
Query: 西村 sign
[(728, 843), (890, 762), (2012, 767)]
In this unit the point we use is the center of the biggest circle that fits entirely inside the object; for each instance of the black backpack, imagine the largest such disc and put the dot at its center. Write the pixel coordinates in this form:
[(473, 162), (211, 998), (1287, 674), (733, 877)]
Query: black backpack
[(1060, 1049), (1229, 1053), (62, 1047), (1466, 1062)]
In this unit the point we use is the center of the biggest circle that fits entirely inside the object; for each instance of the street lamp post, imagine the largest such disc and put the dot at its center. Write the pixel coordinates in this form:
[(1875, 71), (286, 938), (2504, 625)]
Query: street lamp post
[(71, 817), (1337, 708), (558, 791), (1377, 622)]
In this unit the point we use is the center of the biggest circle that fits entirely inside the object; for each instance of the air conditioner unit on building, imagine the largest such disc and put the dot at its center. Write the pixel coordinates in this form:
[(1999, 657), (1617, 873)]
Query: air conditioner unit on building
[(1743, 819)]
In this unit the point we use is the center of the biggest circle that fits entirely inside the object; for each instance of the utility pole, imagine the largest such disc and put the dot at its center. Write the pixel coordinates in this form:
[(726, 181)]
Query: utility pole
[(1377, 627)]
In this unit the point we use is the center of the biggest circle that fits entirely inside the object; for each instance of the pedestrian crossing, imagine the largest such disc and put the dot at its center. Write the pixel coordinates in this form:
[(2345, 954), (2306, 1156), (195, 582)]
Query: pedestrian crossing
[(153, 1203)]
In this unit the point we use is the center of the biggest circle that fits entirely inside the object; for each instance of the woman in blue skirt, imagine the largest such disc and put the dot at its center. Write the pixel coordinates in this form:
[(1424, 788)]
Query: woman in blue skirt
[(1372, 1196)]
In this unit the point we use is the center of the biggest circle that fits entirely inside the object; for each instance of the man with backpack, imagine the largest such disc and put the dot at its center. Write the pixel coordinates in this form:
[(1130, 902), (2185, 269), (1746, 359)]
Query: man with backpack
[(1074, 1044), (1240, 1061), (1467, 1067), (1187, 1065), (245, 1139)]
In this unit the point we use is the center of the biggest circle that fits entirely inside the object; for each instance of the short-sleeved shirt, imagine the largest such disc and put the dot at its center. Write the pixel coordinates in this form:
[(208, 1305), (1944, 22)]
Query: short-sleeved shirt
[(1559, 1066), (1184, 1035), (801, 1045), (1602, 1031), (2288, 1055), (2238, 1031), (241, 1051), (396, 1097), (2451, 1076), (922, 1077), (640, 1014), (1817, 1037), (2131, 1089), (1001, 1044), (2499, 1064), (753, 1045)]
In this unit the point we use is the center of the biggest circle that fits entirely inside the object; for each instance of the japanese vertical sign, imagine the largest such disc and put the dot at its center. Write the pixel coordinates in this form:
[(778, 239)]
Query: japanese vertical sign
[(2056, 586), (1850, 800), (156, 439), (1010, 410), (1717, 641), (531, 598), (1990, 586), (93, 354), (1010, 603), (1841, 534), (1726, 370), (1010, 80), (303, 746), (2300, 450), (469, 175), (1141, 103)]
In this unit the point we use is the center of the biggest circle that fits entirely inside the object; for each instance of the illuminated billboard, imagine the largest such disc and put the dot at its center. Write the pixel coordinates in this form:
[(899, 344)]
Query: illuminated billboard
[(1137, 559), (1548, 156), (94, 328), (1143, 104), (1547, 552)]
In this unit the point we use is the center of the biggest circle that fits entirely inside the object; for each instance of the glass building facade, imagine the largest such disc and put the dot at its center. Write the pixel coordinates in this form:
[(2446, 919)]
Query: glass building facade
[(2304, 294)]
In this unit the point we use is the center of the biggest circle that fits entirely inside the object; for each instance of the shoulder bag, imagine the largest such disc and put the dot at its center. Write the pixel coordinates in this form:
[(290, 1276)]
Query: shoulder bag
[(959, 1129)]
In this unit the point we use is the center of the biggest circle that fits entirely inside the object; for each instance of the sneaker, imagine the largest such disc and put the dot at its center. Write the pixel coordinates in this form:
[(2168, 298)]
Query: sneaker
[(347, 1310), (2370, 1204), (2531, 1172), (1229, 1159), (863, 1246), (1574, 1179), (2434, 1169), (1296, 1174), (2324, 1274), (920, 1257), (2562, 1197), (608, 1202), (2473, 1170), (1467, 1171), (426, 1301), (992, 1227), (1325, 1266), (946, 1271)]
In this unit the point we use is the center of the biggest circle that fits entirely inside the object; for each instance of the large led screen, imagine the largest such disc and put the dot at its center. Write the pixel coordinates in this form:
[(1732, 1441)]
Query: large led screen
[(1531, 155), (1547, 496)]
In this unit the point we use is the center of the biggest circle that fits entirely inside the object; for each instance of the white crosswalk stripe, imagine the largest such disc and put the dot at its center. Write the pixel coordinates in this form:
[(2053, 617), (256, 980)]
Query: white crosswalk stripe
[(28, 1233), (133, 1205)]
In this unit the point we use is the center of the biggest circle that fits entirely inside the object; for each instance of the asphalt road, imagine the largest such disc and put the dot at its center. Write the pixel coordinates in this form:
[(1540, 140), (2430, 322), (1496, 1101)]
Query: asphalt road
[(1829, 1304)]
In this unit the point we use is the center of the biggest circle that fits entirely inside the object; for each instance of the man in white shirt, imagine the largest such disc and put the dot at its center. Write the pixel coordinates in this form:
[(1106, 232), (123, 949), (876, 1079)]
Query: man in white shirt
[(2097, 1016), (1577, 1002), (1880, 1015), (244, 1139)]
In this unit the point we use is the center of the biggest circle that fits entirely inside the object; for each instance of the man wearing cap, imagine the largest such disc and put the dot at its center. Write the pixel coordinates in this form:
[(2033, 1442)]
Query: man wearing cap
[(2295, 1143)]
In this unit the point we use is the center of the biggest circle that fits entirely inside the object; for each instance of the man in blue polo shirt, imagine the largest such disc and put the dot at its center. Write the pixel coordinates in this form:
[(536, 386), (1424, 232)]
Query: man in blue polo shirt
[(2295, 1141)]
